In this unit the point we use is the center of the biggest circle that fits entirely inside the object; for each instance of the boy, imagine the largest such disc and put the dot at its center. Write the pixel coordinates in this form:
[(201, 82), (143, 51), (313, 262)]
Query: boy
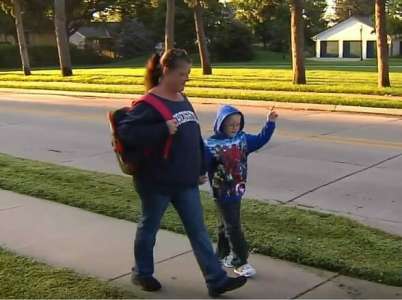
[(227, 153)]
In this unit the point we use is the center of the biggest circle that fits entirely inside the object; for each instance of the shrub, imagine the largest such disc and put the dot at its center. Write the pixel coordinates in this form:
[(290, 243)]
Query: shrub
[(9, 56), (232, 42), (134, 40), (47, 56)]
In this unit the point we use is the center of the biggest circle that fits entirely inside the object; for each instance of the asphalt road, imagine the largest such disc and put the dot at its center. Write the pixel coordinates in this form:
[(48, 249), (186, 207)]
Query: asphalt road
[(349, 164)]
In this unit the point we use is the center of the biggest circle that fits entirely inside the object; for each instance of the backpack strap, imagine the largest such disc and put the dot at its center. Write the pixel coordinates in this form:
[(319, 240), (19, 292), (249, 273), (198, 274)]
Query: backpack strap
[(164, 111)]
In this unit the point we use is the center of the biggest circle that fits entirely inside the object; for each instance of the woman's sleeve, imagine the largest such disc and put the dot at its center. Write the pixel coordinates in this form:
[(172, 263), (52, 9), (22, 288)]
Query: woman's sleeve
[(208, 157)]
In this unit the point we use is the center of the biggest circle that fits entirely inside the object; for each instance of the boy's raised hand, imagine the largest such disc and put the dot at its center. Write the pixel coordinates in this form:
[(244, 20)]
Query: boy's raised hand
[(272, 116)]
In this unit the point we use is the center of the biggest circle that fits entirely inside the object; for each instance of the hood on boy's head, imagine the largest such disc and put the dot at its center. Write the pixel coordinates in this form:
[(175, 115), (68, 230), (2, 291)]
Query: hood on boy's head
[(224, 112)]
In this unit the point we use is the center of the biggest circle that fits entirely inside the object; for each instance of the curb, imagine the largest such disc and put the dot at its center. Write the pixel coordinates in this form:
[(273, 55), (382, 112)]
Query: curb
[(251, 103)]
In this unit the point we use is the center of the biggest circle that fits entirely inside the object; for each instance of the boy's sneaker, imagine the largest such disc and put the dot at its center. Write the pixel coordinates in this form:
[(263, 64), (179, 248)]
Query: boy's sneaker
[(230, 285), (227, 261), (149, 284), (245, 270)]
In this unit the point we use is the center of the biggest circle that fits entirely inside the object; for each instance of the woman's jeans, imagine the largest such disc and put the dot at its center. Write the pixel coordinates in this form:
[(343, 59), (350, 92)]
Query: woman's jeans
[(187, 203)]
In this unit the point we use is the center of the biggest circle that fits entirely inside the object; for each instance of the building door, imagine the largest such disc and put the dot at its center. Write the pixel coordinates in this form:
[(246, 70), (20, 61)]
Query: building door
[(352, 49), (371, 49), (329, 49), (400, 48)]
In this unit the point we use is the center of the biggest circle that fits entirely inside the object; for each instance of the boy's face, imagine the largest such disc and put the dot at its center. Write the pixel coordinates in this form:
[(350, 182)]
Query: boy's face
[(231, 125)]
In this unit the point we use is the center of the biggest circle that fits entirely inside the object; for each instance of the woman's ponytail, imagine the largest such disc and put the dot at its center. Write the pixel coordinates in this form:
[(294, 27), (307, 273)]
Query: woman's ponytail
[(153, 72)]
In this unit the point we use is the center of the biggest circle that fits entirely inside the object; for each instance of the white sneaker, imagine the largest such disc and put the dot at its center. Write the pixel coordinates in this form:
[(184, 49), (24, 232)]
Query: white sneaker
[(245, 270), (227, 261)]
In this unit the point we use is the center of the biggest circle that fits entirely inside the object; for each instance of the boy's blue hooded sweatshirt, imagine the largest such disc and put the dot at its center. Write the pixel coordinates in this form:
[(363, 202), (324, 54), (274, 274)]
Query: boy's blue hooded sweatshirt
[(227, 156)]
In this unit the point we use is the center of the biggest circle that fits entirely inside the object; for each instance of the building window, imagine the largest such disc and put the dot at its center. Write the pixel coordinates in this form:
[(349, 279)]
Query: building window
[(352, 49), (329, 49)]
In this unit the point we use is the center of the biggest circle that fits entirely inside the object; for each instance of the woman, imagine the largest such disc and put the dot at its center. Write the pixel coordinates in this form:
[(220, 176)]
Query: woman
[(175, 180)]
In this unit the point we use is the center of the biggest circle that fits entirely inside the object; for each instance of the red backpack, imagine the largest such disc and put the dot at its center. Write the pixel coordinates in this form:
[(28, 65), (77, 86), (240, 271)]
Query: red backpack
[(127, 164)]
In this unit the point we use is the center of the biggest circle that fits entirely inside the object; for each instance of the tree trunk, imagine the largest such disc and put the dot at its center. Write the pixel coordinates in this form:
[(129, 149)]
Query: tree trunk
[(169, 27), (21, 38), (297, 37), (382, 45), (62, 38), (202, 42)]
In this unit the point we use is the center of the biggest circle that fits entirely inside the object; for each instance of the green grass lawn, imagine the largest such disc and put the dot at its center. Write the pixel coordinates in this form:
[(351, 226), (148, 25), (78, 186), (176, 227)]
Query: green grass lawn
[(259, 79), (315, 239), (22, 277)]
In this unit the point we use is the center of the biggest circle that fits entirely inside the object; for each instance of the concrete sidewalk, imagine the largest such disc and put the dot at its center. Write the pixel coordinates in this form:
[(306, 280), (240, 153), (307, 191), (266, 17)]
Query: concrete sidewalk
[(101, 246)]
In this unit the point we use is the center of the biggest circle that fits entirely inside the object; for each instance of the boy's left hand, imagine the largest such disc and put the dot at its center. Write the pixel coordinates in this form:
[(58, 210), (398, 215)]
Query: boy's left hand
[(202, 179), (272, 116)]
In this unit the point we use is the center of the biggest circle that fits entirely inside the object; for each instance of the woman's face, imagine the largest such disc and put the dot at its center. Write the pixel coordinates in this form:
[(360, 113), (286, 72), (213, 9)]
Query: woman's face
[(176, 78)]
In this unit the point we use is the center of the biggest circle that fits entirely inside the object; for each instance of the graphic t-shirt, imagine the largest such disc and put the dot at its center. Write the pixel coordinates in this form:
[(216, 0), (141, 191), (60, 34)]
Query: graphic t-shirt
[(229, 172)]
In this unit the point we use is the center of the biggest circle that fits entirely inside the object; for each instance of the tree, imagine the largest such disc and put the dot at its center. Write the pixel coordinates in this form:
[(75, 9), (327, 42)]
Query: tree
[(201, 37), (152, 13), (169, 27), (81, 12), (36, 14), (38, 17), (232, 41), (347, 8), (297, 39), (62, 37), (141, 10), (18, 12), (134, 39), (262, 17), (315, 20), (382, 44), (270, 21), (394, 16), (7, 23)]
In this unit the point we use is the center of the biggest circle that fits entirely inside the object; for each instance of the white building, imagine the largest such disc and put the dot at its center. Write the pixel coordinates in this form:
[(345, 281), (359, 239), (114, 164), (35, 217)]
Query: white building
[(353, 38)]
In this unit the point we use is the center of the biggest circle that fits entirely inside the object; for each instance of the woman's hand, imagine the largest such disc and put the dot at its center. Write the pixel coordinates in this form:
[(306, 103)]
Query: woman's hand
[(203, 179), (172, 126)]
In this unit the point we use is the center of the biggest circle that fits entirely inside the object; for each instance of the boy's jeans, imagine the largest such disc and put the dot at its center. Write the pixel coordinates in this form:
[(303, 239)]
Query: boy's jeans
[(230, 235), (187, 203)]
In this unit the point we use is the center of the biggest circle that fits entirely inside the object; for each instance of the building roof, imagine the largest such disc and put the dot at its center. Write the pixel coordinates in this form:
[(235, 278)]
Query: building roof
[(365, 20), (99, 30), (362, 19)]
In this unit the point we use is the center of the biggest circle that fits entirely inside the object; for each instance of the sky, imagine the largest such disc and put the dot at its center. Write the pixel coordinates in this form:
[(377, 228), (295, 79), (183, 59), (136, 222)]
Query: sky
[(330, 6)]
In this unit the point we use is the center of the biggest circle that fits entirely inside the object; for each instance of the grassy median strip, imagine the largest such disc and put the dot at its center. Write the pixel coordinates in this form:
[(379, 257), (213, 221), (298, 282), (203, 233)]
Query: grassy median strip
[(221, 93), (349, 87), (24, 278), (332, 81), (320, 240)]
